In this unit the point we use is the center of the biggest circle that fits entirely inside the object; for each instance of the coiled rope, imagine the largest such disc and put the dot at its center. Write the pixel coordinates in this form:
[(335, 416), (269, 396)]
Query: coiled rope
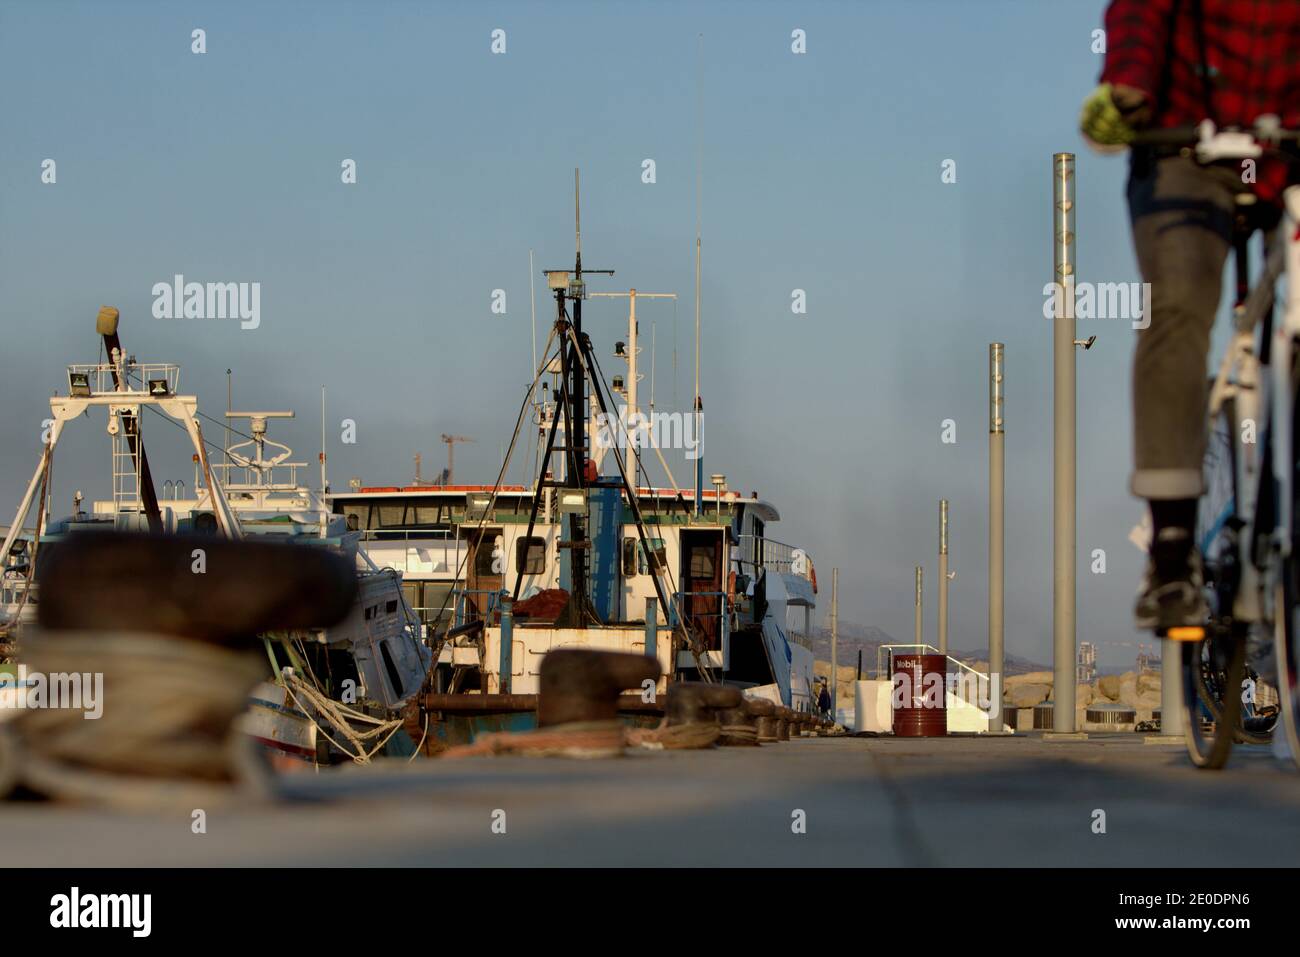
[(166, 734)]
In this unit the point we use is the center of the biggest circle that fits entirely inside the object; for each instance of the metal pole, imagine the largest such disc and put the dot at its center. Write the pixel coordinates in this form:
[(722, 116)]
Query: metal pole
[(919, 637), (1171, 688), (943, 576), (835, 637), (507, 644), (997, 532), (1063, 457), (652, 627)]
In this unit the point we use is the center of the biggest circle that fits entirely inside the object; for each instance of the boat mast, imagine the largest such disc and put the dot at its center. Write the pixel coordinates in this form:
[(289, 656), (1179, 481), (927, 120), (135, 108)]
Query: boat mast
[(699, 201), (106, 325)]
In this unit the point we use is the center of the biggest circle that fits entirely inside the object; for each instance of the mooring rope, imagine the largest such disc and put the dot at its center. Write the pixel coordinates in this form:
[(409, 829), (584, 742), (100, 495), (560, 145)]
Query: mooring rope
[(341, 718), (675, 737), (166, 727), (578, 739), (744, 732)]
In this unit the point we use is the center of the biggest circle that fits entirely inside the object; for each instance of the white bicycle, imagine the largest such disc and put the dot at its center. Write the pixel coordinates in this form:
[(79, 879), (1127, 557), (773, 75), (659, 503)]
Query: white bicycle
[(1246, 524)]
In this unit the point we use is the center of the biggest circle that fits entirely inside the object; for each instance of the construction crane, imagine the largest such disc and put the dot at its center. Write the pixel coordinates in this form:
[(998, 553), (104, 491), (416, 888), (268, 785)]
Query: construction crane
[(451, 441)]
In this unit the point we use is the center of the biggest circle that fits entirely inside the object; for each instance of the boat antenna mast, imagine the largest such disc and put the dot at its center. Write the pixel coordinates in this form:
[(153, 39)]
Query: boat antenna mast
[(577, 365)]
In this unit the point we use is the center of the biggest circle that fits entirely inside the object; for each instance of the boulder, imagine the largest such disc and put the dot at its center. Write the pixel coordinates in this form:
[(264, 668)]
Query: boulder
[(1140, 692), (1031, 677), (1025, 695), (1108, 687), (1084, 695)]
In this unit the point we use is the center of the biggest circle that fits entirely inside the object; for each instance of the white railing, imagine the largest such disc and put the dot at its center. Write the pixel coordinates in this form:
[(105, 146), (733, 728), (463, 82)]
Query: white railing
[(973, 686), (761, 552), (99, 376)]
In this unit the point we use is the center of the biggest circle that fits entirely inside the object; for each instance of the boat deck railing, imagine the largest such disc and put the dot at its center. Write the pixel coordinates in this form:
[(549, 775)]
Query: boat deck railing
[(99, 375), (761, 552)]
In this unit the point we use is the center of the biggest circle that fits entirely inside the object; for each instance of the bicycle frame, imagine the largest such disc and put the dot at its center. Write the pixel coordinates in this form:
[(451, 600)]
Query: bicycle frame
[(1239, 378)]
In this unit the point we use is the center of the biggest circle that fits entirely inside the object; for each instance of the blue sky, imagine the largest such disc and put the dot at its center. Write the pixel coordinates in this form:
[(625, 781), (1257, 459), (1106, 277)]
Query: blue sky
[(822, 173)]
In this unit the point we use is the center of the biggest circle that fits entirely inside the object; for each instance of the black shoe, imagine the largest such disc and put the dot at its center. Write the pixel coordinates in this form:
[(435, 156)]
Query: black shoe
[(1173, 587)]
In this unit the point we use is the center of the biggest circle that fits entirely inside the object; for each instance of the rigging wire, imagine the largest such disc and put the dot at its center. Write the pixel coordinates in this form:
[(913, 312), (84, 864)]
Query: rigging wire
[(496, 488)]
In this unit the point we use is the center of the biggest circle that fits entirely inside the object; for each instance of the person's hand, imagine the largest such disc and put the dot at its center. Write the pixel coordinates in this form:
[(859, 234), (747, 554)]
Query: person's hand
[(1111, 115)]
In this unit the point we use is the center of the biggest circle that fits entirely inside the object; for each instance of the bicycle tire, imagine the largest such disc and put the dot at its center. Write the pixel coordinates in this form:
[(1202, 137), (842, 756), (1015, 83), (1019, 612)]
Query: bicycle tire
[(1209, 699), (1211, 752), (1286, 628), (1216, 540)]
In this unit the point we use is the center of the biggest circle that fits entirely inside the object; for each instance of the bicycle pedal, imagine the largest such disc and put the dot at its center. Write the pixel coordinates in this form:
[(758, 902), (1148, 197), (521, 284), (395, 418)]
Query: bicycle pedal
[(1182, 633)]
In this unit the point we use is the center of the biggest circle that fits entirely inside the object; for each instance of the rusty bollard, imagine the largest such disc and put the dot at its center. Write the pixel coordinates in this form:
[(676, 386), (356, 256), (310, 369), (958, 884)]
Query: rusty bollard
[(581, 686), (696, 702), (784, 718), (577, 708), (577, 702), (690, 717), (167, 627), (765, 713), (739, 726)]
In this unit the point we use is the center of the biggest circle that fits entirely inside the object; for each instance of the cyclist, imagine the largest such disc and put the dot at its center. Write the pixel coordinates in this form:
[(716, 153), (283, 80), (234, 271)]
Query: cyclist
[(1173, 63)]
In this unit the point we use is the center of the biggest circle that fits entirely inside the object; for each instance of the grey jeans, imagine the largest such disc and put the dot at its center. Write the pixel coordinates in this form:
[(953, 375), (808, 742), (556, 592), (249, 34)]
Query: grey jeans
[(1182, 216)]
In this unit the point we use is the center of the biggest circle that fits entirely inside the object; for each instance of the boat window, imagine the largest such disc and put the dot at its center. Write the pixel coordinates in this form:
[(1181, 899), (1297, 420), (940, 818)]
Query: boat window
[(485, 559), (634, 560), (394, 677), (631, 552), (658, 556), (426, 514), (435, 595), (391, 607), (390, 516), (702, 561), (357, 516), (530, 555)]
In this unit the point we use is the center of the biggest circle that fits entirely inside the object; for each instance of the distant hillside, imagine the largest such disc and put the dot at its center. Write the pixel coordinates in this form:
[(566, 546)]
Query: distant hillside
[(869, 638)]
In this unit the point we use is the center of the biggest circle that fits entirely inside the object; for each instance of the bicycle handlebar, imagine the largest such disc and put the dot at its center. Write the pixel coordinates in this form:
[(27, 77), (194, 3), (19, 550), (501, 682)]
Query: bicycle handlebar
[(1268, 134), (1169, 136)]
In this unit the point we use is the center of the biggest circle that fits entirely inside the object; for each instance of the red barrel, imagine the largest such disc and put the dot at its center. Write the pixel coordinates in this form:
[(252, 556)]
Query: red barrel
[(918, 695)]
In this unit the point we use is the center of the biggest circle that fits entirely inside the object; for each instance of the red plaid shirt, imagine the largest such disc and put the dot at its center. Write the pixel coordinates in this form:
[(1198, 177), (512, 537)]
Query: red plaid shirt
[(1252, 49)]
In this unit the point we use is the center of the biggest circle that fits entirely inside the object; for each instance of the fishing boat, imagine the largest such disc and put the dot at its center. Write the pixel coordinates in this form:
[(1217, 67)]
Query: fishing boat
[(372, 663), (590, 553)]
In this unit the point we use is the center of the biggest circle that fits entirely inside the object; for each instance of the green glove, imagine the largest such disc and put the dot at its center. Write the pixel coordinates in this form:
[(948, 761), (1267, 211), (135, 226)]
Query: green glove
[(1111, 115)]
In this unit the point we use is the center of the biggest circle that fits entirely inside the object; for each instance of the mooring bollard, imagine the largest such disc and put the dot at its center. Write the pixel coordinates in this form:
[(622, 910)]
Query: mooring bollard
[(691, 717), (167, 626), (765, 713)]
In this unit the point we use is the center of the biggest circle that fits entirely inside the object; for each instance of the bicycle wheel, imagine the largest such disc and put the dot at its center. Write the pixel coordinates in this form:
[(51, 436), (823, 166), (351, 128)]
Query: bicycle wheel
[(1213, 666), (1211, 749), (1212, 685), (1286, 628)]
